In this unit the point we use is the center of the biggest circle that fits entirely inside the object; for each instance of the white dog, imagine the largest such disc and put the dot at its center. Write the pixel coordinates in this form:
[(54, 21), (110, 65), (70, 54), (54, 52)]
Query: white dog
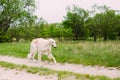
[(41, 46)]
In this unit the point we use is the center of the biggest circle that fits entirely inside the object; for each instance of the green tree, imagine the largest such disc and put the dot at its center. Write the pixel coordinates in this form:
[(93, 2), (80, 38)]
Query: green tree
[(27, 30), (118, 25), (34, 29), (14, 13), (105, 21), (57, 30), (14, 33), (94, 30), (75, 19)]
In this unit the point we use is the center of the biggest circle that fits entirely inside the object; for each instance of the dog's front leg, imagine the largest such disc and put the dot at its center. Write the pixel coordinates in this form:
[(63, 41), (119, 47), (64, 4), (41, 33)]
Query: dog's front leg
[(39, 56)]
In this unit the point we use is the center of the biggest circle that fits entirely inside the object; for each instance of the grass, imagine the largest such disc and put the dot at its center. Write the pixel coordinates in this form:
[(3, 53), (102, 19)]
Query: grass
[(45, 71), (82, 52)]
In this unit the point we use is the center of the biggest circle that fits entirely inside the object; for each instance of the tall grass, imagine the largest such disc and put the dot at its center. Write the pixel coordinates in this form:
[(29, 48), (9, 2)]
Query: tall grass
[(90, 53), (82, 52)]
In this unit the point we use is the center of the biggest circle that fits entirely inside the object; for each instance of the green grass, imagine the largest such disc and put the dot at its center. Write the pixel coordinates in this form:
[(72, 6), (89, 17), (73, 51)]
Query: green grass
[(82, 52), (14, 49), (45, 71)]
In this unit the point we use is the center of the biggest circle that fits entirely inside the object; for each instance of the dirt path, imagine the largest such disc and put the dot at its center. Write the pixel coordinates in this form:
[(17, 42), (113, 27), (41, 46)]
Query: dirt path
[(109, 72), (8, 74)]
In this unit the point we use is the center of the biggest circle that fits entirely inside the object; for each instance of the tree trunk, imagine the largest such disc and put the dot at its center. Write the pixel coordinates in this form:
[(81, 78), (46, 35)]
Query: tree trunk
[(105, 38), (4, 25), (95, 38)]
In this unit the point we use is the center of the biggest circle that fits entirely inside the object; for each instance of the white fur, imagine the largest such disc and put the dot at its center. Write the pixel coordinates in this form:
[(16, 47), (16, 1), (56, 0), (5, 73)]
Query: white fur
[(41, 46)]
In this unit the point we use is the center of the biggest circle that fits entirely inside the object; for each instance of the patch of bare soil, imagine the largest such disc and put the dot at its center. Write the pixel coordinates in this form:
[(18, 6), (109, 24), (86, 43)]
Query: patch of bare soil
[(111, 72), (11, 74)]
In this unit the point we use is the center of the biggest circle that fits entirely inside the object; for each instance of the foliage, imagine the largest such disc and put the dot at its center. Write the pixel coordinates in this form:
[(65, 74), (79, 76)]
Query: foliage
[(93, 30), (18, 22), (14, 13), (75, 19), (39, 30), (104, 23), (57, 30), (118, 25)]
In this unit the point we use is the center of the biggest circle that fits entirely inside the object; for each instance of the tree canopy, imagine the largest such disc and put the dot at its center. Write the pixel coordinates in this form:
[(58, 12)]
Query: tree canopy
[(14, 13), (17, 21), (75, 19)]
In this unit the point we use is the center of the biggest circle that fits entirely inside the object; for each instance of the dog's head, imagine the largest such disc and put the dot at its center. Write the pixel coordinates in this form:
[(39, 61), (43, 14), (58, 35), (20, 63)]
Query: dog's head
[(53, 43)]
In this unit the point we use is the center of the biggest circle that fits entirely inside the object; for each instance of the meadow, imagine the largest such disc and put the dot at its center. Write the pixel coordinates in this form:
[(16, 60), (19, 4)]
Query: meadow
[(77, 52)]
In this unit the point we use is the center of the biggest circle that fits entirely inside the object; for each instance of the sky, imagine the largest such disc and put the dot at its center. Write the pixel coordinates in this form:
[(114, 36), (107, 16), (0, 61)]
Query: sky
[(53, 11)]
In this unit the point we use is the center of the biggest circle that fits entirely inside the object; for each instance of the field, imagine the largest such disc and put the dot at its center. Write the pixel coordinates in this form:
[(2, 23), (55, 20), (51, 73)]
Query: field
[(74, 52), (87, 53)]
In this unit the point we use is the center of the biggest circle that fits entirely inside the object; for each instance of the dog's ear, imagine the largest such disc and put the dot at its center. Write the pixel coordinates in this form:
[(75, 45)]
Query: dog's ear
[(49, 42)]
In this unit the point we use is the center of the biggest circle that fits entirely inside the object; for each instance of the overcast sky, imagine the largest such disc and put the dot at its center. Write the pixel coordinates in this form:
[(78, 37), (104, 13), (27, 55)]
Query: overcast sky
[(53, 10)]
